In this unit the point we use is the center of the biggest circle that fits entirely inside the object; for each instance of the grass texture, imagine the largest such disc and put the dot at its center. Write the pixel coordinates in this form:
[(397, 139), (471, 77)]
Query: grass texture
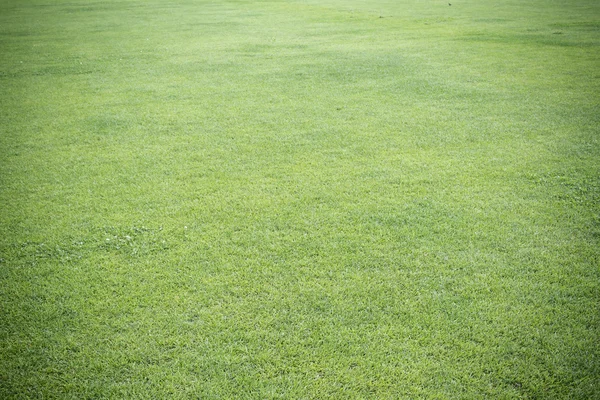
[(301, 199)]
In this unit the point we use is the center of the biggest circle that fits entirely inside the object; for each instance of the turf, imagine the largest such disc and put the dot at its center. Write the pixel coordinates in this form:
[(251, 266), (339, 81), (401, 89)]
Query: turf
[(299, 199)]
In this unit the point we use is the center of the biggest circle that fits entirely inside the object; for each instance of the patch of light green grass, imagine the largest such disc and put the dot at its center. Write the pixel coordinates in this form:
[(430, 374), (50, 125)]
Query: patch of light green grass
[(299, 199)]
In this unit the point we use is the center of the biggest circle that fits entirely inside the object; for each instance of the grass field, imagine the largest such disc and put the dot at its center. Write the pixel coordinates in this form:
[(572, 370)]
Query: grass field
[(301, 199)]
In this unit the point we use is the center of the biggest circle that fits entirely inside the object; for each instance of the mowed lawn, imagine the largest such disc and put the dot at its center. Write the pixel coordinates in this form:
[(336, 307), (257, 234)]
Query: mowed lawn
[(300, 199)]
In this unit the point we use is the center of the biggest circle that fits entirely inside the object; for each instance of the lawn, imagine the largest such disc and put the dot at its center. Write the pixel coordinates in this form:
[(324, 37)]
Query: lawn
[(300, 199)]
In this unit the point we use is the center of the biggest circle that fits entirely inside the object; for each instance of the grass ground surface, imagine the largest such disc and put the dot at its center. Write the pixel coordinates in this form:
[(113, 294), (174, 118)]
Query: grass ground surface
[(299, 199)]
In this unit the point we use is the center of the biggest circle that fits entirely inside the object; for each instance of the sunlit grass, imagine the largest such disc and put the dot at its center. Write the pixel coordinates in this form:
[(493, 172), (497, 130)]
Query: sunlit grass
[(299, 199)]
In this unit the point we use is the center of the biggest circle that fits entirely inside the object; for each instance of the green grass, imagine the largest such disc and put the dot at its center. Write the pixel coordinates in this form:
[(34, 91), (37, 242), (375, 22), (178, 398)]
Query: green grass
[(300, 199)]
